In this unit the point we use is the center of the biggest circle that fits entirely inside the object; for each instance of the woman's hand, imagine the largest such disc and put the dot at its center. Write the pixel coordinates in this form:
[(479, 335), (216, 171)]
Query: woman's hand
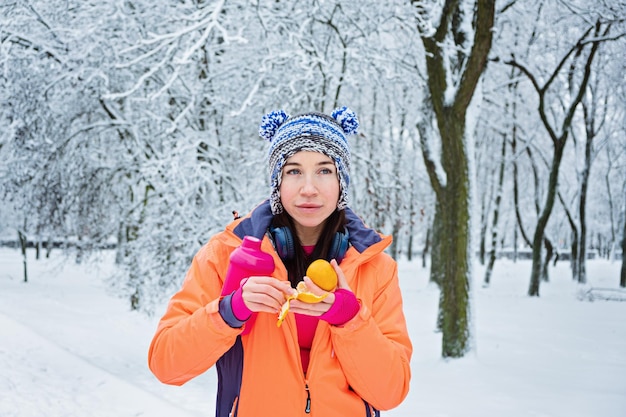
[(265, 294), (317, 309)]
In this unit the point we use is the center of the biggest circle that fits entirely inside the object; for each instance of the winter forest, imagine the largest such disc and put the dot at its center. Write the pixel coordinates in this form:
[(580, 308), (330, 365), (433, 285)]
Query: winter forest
[(489, 129)]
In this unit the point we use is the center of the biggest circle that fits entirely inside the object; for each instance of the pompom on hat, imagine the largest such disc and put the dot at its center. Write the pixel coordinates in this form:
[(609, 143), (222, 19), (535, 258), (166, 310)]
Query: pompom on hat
[(315, 132)]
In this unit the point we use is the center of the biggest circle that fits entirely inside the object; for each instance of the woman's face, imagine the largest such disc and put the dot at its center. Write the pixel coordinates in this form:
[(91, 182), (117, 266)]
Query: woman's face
[(309, 192)]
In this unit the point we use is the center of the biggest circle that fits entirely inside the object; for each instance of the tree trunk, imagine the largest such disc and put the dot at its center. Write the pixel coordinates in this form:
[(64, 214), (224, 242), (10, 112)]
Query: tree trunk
[(545, 275), (409, 245), (609, 195), (515, 243), (455, 286), (426, 247), (49, 246), (542, 222), (452, 226), (451, 266), (574, 244), (455, 245), (482, 247), (518, 211), (437, 258), (23, 242), (496, 212), (589, 112), (622, 281), (582, 247), (395, 234)]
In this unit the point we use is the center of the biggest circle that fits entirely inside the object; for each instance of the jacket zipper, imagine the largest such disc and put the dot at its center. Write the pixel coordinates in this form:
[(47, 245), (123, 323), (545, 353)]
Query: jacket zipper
[(296, 348), (307, 408)]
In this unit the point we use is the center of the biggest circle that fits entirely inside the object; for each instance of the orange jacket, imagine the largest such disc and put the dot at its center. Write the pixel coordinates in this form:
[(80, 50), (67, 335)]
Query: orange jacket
[(354, 370)]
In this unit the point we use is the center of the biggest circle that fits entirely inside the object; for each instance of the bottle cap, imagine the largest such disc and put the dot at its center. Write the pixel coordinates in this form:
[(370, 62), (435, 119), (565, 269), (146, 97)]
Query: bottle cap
[(251, 242)]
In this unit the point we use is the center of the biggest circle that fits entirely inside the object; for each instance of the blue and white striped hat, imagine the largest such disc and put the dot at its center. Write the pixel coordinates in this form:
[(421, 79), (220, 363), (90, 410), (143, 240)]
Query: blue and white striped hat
[(315, 132)]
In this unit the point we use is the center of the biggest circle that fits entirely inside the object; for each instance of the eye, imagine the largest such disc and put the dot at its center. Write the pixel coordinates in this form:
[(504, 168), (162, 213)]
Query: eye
[(326, 171), (292, 171)]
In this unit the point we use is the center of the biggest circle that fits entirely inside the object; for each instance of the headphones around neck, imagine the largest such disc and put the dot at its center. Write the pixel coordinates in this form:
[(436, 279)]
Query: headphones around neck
[(284, 243)]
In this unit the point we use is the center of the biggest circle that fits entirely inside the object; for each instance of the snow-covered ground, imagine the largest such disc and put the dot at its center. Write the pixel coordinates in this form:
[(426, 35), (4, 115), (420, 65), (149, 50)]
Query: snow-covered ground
[(68, 348)]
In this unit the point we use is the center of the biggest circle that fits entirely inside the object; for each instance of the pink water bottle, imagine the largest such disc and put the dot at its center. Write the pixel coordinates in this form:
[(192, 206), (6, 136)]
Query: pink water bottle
[(245, 261)]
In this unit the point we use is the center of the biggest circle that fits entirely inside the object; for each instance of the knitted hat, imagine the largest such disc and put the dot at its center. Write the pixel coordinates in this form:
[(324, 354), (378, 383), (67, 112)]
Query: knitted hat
[(315, 132)]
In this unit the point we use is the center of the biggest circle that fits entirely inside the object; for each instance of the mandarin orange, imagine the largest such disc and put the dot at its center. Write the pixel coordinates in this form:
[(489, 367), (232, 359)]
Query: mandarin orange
[(322, 274)]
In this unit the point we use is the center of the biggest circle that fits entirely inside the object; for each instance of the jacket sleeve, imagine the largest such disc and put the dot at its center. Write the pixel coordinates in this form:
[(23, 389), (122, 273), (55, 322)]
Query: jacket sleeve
[(192, 335), (374, 348)]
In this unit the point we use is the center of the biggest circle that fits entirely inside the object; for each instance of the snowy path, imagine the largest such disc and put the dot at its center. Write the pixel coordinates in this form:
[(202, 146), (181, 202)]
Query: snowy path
[(51, 381), (67, 348)]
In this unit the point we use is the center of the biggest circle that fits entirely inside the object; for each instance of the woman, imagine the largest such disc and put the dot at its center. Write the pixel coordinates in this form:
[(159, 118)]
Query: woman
[(345, 356)]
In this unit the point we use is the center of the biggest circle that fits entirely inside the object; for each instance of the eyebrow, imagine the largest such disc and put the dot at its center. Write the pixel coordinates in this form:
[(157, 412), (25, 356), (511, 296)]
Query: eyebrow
[(322, 163)]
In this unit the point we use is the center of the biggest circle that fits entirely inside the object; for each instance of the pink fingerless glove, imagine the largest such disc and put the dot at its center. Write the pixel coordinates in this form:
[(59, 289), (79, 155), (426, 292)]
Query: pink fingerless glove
[(345, 307), (240, 309)]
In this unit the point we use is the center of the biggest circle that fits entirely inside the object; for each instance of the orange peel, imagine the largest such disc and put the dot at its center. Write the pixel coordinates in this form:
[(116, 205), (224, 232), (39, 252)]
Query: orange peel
[(323, 275), (302, 294)]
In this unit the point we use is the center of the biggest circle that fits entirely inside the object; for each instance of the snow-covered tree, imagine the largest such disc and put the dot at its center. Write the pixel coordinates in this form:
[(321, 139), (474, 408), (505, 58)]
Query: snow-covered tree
[(560, 83), (457, 39), (135, 123)]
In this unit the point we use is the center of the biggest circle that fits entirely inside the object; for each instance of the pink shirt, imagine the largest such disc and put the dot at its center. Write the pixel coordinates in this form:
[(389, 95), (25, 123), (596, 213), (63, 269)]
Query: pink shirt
[(306, 328)]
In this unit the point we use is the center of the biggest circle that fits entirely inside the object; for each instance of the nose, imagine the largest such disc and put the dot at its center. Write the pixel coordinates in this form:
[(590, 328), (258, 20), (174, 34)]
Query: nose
[(308, 187)]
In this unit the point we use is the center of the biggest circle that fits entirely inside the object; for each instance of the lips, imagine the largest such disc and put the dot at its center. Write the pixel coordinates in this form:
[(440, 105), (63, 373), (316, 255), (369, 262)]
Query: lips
[(309, 206)]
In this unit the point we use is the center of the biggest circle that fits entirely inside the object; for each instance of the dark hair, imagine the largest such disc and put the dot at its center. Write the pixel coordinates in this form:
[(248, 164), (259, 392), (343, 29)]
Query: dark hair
[(296, 267)]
